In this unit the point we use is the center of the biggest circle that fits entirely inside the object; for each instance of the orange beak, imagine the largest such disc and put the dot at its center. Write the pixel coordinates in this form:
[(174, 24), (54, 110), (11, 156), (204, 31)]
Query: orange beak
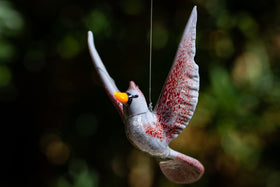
[(121, 97)]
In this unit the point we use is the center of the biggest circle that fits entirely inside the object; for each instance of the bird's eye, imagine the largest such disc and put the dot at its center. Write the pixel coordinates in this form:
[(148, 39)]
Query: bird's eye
[(130, 97)]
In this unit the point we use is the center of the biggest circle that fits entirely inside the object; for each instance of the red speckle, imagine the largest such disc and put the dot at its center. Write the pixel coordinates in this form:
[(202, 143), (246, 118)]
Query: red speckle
[(161, 131), (179, 95)]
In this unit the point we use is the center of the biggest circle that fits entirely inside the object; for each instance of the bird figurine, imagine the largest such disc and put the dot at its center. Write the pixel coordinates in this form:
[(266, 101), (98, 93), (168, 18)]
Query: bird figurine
[(152, 131)]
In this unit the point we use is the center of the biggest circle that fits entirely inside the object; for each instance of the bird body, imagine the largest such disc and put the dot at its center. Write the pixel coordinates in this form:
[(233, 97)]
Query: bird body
[(140, 121), (152, 131), (137, 130)]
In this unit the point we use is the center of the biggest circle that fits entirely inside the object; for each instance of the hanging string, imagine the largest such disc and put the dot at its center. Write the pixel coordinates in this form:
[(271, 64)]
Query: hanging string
[(150, 61)]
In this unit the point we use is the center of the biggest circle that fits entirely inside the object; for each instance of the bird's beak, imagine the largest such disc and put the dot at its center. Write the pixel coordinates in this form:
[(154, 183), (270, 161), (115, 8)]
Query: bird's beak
[(121, 97)]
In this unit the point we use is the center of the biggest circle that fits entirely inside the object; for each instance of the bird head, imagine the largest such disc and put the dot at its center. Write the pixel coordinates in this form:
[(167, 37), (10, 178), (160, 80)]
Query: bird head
[(133, 100)]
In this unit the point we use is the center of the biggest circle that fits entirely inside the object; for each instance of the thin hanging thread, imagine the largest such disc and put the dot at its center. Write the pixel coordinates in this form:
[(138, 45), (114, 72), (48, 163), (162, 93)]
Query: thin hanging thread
[(150, 62)]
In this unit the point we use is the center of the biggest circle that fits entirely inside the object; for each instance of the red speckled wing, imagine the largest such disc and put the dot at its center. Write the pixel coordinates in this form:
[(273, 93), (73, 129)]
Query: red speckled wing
[(179, 95)]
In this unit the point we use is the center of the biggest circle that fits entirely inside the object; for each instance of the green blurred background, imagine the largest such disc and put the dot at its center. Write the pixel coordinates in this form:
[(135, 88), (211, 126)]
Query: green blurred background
[(59, 129)]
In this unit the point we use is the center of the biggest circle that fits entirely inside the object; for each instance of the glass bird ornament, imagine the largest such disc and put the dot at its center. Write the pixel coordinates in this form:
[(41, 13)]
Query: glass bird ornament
[(152, 131)]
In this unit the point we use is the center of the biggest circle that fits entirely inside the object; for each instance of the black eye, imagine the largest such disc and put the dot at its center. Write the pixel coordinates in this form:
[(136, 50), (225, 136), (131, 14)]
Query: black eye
[(130, 97)]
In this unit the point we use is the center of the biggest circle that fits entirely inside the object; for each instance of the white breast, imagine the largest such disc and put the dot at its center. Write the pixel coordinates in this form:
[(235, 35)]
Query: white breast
[(136, 131)]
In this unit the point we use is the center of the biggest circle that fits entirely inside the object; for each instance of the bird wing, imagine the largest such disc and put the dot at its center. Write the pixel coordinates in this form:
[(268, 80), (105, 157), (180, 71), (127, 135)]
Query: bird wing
[(107, 81), (179, 95)]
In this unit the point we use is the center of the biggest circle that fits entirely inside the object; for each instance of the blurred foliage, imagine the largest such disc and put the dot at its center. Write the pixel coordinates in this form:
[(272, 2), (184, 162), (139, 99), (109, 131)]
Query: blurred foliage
[(59, 129)]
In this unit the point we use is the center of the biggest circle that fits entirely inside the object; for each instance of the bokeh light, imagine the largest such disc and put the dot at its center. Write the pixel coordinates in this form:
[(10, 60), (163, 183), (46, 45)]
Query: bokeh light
[(56, 151)]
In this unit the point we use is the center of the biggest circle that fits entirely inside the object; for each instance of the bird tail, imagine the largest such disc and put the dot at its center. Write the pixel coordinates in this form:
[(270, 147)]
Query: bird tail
[(181, 168)]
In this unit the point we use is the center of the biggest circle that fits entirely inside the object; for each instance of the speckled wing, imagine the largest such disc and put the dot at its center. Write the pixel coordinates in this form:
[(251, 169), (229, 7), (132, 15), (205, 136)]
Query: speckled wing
[(179, 95), (107, 81)]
